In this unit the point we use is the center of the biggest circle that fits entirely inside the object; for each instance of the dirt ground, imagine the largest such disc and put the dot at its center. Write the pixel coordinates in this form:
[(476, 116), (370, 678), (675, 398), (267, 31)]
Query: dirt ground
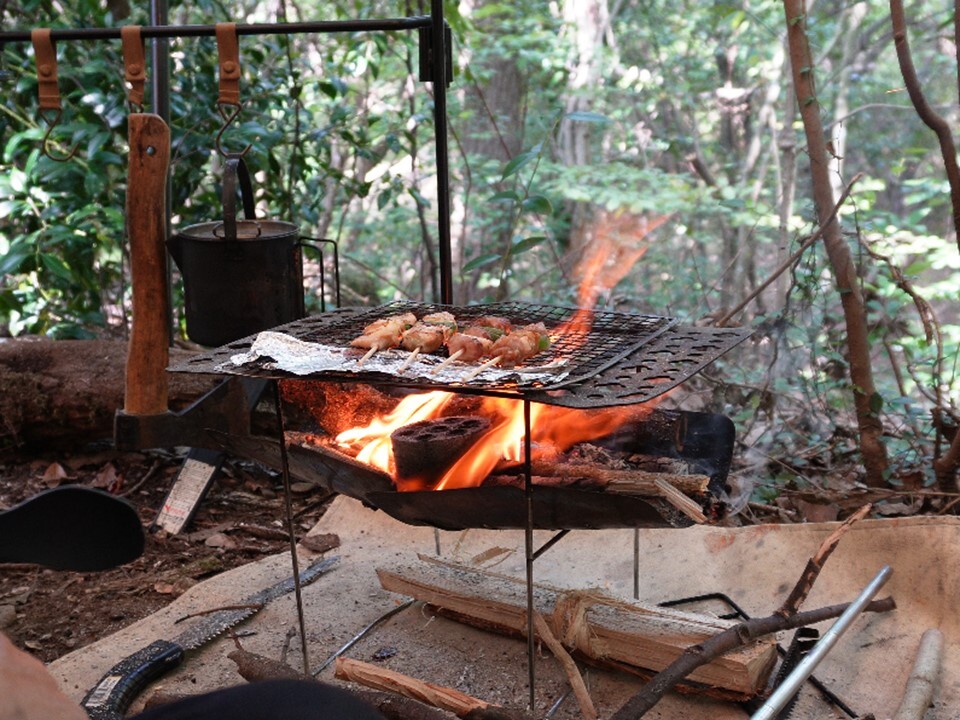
[(50, 613)]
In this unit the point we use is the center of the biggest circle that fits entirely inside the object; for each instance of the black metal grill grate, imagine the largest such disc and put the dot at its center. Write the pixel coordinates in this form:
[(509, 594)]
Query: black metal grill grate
[(609, 358)]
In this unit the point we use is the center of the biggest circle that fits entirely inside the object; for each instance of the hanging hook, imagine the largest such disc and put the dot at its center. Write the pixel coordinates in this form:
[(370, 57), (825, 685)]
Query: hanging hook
[(48, 91), (228, 118), (51, 124)]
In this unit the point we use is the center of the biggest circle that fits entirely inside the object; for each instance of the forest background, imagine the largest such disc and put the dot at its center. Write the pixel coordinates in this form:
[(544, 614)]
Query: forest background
[(668, 134)]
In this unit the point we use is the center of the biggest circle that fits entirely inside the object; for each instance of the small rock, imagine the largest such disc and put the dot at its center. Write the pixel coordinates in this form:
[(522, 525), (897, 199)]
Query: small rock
[(8, 615), (220, 540)]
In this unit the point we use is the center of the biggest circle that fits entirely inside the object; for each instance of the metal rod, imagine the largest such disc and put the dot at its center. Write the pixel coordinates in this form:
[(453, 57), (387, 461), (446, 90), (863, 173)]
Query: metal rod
[(178, 31), (636, 563), (439, 69), (550, 543), (288, 504), (362, 634), (528, 544), (789, 687)]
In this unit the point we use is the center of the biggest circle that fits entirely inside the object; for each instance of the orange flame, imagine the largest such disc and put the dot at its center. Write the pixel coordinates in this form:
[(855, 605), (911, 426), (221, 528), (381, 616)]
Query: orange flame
[(552, 431), (617, 243), (373, 440)]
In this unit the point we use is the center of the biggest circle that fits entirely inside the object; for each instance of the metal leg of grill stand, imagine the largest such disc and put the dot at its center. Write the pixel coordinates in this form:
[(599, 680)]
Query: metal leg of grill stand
[(636, 563), (531, 554), (528, 546), (285, 466)]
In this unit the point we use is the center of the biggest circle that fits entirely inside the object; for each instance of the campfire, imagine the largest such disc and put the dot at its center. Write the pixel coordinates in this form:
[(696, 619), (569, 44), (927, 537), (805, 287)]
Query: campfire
[(454, 460)]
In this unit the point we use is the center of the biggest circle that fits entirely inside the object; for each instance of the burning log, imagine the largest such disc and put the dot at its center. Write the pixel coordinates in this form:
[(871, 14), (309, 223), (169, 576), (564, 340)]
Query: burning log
[(591, 625), (626, 482)]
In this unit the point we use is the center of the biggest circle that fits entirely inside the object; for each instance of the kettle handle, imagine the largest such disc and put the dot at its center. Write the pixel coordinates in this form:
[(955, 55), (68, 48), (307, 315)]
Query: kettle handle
[(235, 170)]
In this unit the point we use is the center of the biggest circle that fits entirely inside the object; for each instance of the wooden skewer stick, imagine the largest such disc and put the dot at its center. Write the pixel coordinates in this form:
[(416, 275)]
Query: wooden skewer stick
[(479, 369), (410, 358), (446, 362), (370, 353)]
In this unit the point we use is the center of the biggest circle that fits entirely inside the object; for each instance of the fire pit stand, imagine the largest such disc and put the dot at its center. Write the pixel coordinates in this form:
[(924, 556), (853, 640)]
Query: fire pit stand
[(649, 358)]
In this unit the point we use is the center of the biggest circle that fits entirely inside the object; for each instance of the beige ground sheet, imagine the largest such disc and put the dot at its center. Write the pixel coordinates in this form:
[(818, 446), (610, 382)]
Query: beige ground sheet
[(754, 566)]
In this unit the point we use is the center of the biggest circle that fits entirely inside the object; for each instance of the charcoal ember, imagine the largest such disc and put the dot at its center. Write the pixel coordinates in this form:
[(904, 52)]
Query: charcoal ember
[(425, 450)]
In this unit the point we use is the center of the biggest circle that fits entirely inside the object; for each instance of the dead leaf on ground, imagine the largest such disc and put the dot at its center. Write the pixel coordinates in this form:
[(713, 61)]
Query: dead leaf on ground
[(54, 475)]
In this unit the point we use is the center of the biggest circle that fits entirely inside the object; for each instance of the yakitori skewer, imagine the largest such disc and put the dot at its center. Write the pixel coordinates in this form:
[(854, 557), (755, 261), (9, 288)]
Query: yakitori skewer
[(474, 342), (514, 348), (383, 334), (427, 335)]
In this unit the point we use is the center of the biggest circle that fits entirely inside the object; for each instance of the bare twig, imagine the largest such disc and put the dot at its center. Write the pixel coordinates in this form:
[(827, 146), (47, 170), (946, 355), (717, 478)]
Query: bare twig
[(788, 263), (724, 642), (815, 564), (569, 667)]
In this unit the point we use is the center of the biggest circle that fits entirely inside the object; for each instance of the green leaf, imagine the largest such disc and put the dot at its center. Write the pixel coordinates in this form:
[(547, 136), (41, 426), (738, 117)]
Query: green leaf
[(482, 261), (520, 161), (537, 204), (521, 245), (56, 266), (12, 261), (876, 403), (505, 196)]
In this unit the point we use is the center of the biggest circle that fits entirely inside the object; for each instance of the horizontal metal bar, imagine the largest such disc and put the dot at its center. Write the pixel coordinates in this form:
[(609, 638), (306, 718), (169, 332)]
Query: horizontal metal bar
[(175, 31)]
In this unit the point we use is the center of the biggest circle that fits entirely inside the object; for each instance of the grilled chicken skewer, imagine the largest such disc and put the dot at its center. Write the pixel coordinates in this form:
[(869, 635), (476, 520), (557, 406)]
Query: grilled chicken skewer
[(476, 341), (513, 348), (427, 335), (383, 334)]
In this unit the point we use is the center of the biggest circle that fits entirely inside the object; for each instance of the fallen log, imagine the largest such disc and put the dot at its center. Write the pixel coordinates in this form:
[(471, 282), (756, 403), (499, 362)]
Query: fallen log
[(588, 623), (66, 393)]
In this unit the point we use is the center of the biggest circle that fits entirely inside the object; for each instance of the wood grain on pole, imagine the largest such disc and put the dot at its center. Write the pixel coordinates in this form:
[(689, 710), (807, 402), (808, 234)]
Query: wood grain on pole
[(145, 391)]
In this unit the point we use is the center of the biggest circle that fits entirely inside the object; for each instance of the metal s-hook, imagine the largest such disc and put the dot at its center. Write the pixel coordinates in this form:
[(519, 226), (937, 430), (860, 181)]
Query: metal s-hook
[(228, 118), (48, 89), (51, 124), (228, 52)]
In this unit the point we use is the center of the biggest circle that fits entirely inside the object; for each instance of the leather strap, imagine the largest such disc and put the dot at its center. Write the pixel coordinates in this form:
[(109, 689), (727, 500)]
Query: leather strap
[(228, 50), (45, 56), (134, 63)]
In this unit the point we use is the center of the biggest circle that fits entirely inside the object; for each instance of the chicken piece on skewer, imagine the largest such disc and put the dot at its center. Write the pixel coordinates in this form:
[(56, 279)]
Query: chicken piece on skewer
[(475, 341), (427, 335), (520, 344), (467, 347), (430, 333), (383, 334)]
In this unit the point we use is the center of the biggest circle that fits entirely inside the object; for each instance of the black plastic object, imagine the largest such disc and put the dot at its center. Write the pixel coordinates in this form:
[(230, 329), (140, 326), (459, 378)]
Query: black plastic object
[(239, 276), (71, 528), (127, 679)]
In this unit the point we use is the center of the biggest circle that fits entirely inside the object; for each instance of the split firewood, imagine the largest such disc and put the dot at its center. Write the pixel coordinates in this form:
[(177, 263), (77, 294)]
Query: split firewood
[(625, 481), (785, 618), (569, 667), (730, 639), (255, 668), (445, 698), (591, 625), (923, 680)]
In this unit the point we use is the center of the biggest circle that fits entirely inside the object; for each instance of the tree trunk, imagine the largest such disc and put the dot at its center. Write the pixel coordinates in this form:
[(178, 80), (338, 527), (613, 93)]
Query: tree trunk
[(841, 260), (65, 393)]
